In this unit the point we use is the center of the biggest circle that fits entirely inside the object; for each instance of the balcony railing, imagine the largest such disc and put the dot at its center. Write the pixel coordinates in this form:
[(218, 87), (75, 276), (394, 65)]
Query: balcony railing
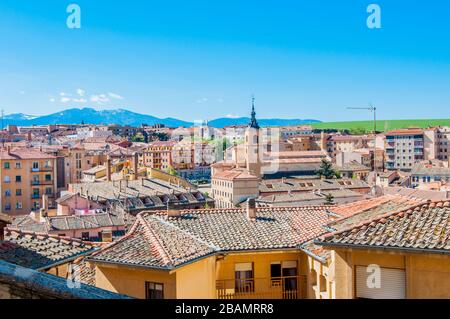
[(293, 287), (37, 183), (42, 169)]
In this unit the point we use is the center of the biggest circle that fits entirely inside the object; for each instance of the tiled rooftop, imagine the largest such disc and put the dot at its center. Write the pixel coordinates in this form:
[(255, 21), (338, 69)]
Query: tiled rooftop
[(136, 188), (356, 212), (293, 184), (23, 153), (360, 206), (39, 251), (416, 193), (160, 241), (234, 174), (425, 226), (30, 284), (297, 198), (73, 222)]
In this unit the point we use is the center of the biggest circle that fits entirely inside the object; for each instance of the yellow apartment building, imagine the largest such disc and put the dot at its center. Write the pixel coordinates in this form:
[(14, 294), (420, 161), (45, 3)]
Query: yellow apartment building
[(216, 254), (26, 175), (159, 155), (386, 247), (401, 254)]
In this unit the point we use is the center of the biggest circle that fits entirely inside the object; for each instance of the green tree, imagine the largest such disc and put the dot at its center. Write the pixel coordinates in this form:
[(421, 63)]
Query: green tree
[(172, 171), (329, 199), (139, 137), (358, 131), (326, 170)]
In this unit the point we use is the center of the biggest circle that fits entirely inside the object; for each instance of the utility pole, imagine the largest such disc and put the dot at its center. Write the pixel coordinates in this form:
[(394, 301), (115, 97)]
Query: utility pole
[(372, 109)]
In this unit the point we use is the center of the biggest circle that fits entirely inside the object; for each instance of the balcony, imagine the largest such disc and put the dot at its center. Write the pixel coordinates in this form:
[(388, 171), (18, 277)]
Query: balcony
[(41, 169), (38, 183), (293, 287)]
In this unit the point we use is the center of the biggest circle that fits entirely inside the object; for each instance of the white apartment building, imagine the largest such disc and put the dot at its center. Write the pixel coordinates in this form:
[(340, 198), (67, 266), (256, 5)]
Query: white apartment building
[(404, 148)]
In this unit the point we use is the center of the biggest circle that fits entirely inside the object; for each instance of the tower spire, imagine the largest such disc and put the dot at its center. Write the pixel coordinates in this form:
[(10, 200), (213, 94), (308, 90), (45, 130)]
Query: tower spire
[(253, 122)]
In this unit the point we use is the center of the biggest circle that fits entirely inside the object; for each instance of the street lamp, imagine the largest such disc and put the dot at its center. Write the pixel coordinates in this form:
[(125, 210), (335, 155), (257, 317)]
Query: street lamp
[(372, 109)]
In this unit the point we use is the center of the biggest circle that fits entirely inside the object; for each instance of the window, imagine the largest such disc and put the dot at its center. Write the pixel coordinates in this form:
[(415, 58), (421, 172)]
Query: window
[(18, 179), (275, 270), (85, 236), (8, 193), (18, 192), (6, 165), (243, 273), (7, 179), (18, 205), (18, 165), (48, 177), (48, 191), (36, 193), (7, 207), (154, 290), (35, 165), (275, 274)]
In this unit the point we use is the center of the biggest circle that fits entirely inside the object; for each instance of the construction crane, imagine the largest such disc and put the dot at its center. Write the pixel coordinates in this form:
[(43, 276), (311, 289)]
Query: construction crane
[(372, 109)]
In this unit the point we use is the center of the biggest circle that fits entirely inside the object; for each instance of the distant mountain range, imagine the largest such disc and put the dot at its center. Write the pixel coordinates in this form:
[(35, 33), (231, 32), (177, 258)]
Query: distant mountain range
[(125, 117)]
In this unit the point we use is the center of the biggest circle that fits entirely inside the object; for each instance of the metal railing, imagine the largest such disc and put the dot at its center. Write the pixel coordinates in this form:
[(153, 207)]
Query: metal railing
[(292, 287)]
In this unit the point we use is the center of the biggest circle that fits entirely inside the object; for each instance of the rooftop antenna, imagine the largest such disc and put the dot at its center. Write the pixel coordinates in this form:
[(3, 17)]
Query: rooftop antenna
[(372, 109)]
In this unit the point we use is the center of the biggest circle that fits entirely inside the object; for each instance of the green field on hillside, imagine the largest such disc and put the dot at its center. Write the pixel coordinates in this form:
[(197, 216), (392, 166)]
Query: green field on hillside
[(382, 125)]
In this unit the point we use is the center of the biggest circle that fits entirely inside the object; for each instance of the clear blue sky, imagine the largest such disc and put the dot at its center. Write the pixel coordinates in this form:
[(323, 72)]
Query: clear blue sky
[(204, 59)]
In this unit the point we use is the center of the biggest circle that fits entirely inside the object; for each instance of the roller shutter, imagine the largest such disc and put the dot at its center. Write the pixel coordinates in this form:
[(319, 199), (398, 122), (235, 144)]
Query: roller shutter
[(392, 284)]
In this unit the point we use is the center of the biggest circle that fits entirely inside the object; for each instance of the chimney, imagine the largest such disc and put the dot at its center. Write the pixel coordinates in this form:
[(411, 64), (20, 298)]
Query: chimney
[(172, 210), (136, 165), (8, 148), (251, 209), (43, 212), (108, 168)]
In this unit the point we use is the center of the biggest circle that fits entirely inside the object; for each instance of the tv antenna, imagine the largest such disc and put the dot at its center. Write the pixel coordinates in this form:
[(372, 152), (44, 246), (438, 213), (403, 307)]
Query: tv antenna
[(372, 109)]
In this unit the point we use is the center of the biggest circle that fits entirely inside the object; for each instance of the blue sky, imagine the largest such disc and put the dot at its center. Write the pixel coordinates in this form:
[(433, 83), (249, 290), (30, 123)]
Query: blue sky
[(204, 59)]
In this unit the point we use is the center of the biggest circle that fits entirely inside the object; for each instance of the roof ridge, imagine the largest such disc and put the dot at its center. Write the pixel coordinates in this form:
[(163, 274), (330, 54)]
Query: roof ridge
[(155, 240), (127, 235), (386, 215), (238, 210), (165, 222)]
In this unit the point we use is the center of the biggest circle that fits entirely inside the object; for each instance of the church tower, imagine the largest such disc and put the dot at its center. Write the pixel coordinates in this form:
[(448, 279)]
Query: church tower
[(252, 139)]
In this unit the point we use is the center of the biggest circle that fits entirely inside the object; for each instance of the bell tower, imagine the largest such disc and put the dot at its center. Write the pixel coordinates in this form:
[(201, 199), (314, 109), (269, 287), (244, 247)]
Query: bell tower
[(252, 139)]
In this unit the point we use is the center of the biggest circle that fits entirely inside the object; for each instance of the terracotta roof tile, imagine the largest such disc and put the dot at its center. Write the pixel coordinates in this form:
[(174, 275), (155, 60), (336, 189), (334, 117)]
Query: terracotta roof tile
[(425, 226), (37, 250), (159, 241)]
